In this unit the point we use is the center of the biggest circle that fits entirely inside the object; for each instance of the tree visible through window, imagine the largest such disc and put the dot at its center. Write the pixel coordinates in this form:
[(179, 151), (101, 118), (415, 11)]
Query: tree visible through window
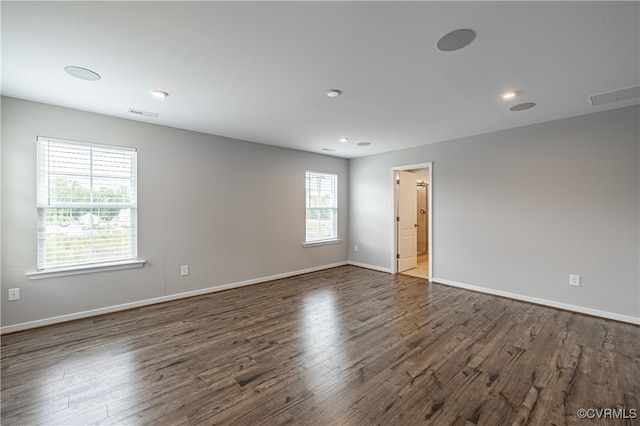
[(87, 204), (321, 207)]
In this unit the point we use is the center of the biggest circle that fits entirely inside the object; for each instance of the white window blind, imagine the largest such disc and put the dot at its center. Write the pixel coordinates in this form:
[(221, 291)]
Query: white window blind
[(87, 204), (321, 207)]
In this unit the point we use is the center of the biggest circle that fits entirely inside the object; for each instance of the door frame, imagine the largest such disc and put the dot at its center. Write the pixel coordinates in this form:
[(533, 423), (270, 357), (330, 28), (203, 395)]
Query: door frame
[(393, 208)]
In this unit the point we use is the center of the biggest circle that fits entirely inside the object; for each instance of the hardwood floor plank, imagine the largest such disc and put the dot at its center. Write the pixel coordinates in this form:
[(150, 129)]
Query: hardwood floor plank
[(341, 346)]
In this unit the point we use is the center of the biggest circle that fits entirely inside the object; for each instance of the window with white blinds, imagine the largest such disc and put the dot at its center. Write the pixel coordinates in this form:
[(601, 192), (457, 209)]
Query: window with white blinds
[(321, 207), (87, 204)]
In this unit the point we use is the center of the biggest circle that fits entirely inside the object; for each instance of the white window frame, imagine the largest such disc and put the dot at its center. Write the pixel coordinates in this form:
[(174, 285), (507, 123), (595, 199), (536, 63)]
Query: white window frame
[(310, 240), (84, 170)]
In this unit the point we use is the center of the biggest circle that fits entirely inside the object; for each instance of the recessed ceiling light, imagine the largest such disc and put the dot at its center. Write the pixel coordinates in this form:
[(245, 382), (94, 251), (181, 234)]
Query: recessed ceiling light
[(159, 93), (522, 107), (364, 143), (343, 140), (456, 40), (334, 93), (82, 73), (509, 95)]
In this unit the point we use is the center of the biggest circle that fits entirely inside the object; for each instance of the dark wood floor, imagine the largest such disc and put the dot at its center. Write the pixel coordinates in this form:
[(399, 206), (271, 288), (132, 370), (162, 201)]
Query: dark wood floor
[(345, 346)]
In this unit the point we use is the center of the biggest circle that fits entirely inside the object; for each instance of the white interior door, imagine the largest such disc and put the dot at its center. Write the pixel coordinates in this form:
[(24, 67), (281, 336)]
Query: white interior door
[(407, 221)]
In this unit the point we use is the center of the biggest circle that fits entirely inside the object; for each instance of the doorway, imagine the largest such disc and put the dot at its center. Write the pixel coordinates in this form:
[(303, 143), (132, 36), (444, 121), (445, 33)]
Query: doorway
[(412, 220)]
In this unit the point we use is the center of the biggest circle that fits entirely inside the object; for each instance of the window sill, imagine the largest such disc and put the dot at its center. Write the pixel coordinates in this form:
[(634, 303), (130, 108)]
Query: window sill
[(85, 269), (322, 243)]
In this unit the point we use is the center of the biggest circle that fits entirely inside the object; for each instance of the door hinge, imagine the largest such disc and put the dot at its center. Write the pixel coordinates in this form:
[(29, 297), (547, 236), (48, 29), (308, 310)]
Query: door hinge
[(397, 218), (397, 256)]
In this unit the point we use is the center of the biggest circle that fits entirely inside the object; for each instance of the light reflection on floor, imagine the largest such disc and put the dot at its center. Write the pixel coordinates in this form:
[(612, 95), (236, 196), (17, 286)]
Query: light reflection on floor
[(323, 336), (321, 327), (95, 377)]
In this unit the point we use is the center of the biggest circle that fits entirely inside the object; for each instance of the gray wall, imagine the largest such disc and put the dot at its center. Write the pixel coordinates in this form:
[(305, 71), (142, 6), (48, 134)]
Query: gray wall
[(232, 210), (519, 210), (514, 211)]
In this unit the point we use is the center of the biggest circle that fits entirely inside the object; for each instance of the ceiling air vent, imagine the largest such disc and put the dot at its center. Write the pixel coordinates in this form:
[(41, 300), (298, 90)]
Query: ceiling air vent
[(615, 96), (145, 113)]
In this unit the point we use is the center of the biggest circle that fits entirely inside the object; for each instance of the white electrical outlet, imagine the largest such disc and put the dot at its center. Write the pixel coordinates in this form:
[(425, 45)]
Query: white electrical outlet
[(184, 270), (574, 280), (355, 248), (14, 294)]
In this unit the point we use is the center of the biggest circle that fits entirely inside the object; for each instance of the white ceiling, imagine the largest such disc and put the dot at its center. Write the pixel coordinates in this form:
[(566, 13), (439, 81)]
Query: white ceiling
[(259, 71)]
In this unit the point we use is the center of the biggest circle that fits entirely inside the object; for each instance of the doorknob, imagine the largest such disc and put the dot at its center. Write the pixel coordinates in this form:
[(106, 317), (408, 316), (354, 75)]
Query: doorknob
[(415, 226)]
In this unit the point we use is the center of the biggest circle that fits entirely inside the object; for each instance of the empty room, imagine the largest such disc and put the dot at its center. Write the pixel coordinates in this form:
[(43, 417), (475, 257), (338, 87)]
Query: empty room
[(320, 213)]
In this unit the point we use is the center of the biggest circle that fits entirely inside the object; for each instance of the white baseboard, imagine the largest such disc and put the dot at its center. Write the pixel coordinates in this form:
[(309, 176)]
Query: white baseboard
[(550, 303), (375, 268), (131, 305), (146, 302)]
